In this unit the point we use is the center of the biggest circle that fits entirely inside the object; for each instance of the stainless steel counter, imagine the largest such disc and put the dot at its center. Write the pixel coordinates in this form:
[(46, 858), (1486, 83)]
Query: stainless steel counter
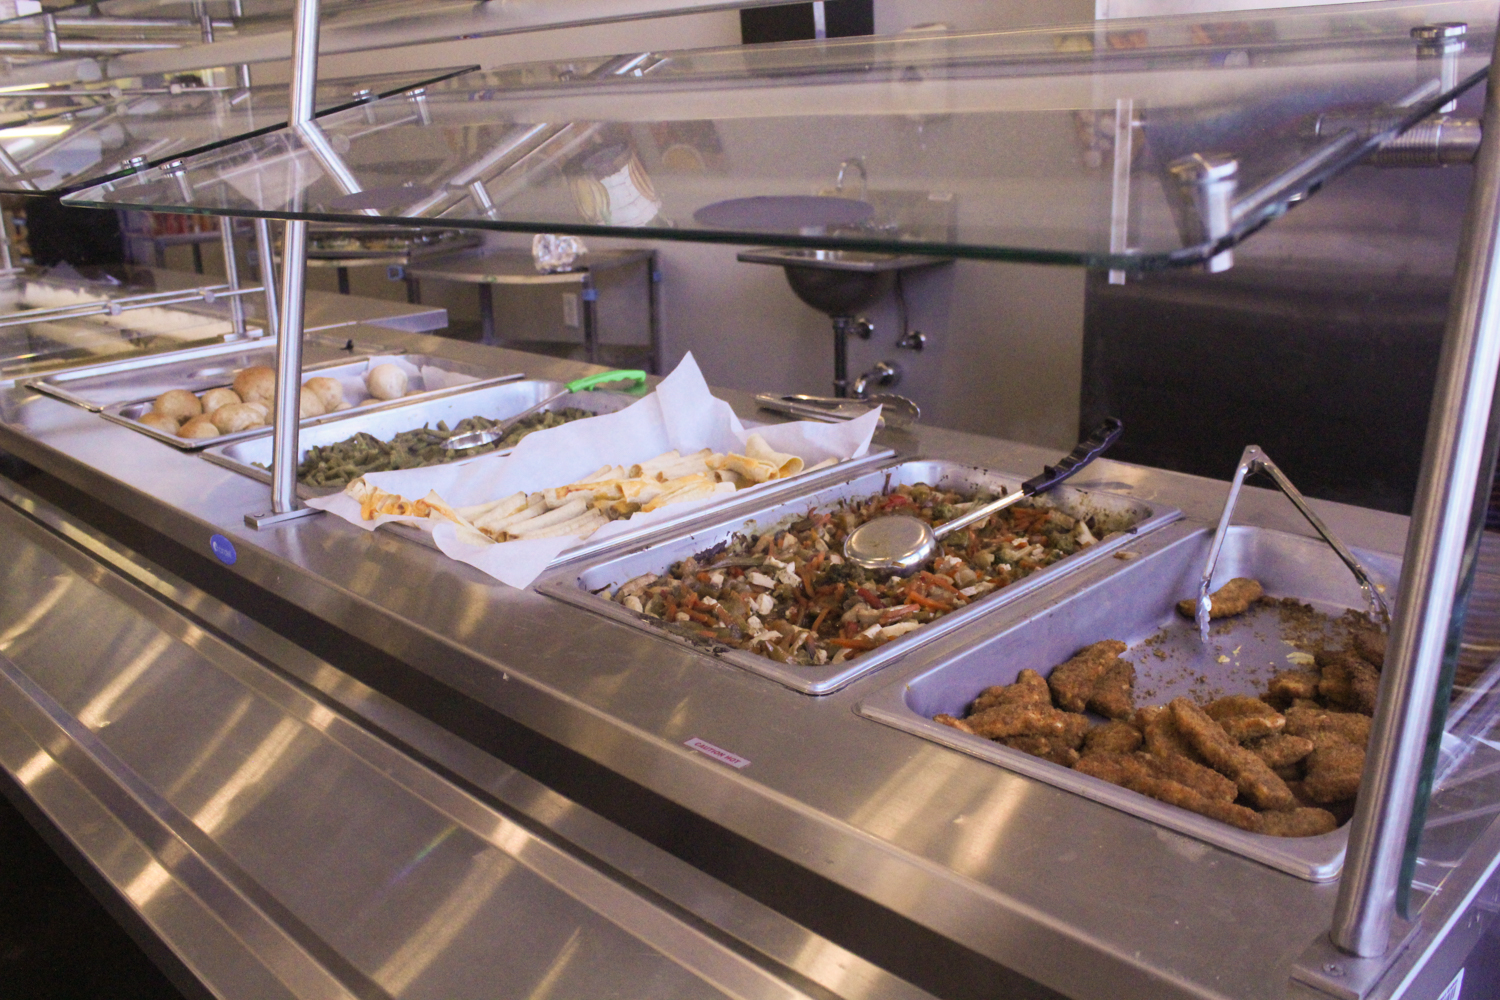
[(846, 856)]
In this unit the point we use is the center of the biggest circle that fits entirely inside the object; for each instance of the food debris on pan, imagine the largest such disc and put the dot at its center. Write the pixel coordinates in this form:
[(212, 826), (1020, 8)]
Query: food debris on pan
[(787, 593), (1285, 762)]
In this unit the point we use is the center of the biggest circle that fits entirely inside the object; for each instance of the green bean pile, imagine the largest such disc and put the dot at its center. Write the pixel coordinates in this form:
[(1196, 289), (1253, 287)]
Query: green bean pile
[(341, 463)]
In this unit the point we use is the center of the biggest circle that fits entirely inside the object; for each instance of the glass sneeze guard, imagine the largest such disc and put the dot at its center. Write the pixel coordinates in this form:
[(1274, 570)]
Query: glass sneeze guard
[(112, 123), (990, 145)]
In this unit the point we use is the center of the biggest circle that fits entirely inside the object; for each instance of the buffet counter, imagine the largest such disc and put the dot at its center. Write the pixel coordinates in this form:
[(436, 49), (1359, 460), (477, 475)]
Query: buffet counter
[(314, 760)]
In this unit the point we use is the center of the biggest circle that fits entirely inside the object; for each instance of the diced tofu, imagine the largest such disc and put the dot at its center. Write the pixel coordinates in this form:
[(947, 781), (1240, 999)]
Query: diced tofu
[(759, 580)]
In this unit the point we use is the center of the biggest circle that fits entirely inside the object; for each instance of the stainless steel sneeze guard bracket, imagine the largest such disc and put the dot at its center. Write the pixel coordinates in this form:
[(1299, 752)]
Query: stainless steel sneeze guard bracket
[(273, 518), (1329, 970), (1254, 461)]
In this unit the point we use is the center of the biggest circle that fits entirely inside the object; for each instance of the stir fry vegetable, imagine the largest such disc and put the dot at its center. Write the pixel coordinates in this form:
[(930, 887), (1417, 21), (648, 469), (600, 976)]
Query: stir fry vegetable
[(347, 460), (789, 595)]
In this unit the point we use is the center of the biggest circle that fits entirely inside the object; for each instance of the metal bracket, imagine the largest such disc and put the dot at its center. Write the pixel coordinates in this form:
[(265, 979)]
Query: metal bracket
[(1206, 185), (272, 518), (1255, 461), (1328, 970)]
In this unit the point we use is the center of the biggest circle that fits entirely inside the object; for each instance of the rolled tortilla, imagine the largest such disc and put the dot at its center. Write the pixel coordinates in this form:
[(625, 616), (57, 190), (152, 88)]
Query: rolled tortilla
[(752, 469), (651, 465), (566, 512), (786, 465), (582, 526), (498, 522), (501, 507)]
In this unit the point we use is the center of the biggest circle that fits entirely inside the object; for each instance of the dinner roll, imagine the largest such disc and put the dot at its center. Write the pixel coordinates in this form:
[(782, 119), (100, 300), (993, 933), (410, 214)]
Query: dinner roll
[(161, 422), (199, 427), (309, 405), (386, 382), (328, 390), (238, 417), (257, 384), (179, 404), (215, 398)]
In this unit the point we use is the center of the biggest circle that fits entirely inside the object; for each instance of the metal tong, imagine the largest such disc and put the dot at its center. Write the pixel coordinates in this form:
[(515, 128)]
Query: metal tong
[(1255, 461), (896, 411)]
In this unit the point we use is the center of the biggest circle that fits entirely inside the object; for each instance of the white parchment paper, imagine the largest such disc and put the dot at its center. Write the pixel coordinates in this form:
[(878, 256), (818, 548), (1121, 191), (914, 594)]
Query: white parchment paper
[(682, 413)]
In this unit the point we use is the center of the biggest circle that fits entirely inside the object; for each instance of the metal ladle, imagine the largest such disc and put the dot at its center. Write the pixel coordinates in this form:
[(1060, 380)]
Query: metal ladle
[(478, 439), (902, 544)]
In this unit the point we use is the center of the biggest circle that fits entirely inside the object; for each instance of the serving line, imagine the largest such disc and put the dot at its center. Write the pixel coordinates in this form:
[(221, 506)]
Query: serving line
[(933, 864)]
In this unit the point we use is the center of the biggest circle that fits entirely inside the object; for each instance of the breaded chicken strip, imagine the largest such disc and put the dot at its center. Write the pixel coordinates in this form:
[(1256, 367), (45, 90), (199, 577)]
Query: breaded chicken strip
[(1234, 598), (1138, 773), (1112, 737), (1280, 750), (1309, 721), (1114, 692), (1047, 749), (1257, 782), (1369, 643), (1349, 683), (1299, 822), (1245, 717), (1289, 685), (1073, 682), (1013, 720), (1334, 769), (1029, 689), (1162, 737)]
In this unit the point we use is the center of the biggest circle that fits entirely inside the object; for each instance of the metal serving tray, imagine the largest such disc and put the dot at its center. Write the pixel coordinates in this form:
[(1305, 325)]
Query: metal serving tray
[(122, 380), (579, 584), (1134, 603), (346, 369), (495, 401)]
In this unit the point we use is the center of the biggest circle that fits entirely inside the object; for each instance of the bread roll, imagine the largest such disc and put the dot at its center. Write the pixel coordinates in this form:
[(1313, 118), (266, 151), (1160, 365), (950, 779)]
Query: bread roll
[(328, 390), (160, 421), (238, 417), (309, 405), (215, 398), (386, 382), (179, 404), (256, 384), (199, 427)]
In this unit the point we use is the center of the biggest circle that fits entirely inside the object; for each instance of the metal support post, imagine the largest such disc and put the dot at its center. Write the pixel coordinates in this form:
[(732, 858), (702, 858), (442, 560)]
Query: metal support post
[(1364, 913), (232, 275), (284, 450), (1119, 211), (267, 256)]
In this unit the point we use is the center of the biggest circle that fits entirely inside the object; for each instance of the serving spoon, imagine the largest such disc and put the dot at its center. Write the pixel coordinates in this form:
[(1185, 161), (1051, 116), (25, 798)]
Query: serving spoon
[(902, 544), (478, 439)]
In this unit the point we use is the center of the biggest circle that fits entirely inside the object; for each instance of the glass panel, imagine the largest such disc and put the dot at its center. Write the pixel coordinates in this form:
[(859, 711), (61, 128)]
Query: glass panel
[(977, 144), (1458, 801), (60, 343), (112, 122)]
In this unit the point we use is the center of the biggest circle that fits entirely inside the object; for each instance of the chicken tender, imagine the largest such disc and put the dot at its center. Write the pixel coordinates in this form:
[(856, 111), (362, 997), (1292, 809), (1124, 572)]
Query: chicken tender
[(1307, 721), (1072, 683), (1333, 770), (1350, 683), (1299, 822), (1290, 685), (1234, 598), (1114, 692), (1204, 780), (1112, 737), (1280, 750), (1138, 772), (1162, 736), (1369, 643), (1054, 750), (1257, 782), (1029, 689), (1244, 717), (1018, 720)]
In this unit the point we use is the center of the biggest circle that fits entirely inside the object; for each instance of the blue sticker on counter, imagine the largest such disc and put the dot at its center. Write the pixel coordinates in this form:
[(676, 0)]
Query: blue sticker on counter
[(224, 549)]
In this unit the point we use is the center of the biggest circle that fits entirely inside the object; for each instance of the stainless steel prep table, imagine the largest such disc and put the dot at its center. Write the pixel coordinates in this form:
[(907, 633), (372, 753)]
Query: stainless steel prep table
[(961, 877)]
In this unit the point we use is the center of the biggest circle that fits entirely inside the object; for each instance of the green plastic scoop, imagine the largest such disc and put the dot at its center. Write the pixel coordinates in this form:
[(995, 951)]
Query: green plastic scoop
[(477, 439)]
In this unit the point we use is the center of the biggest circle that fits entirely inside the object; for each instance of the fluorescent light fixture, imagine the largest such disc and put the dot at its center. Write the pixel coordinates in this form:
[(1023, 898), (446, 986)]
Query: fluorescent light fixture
[(23, 86)]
